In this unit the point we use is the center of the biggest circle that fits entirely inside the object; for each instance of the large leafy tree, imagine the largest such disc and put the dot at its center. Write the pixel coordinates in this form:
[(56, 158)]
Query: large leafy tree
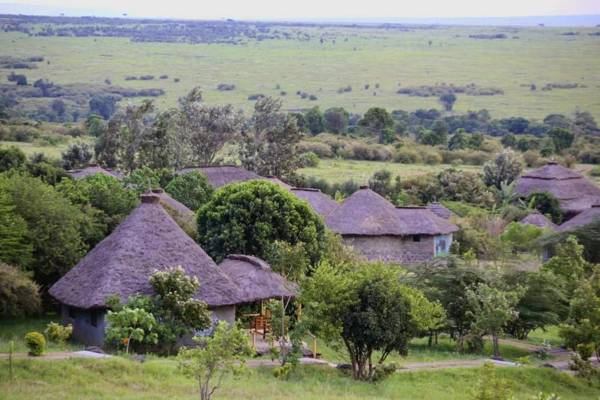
[(102, 197), (336, 120), (53, 224), (191, 189), (207, 128), (11, 157), (377, 122), (248, 217), (364, 309), (15, 248), (543, 304), (268, 146), (77, 155)]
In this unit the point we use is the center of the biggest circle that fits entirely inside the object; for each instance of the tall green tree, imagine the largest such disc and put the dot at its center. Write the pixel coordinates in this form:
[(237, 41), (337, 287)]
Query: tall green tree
[(247, 217), (192, 189), (15, 248), (268, 146), (561, 138), (53, 224), (336, 120), (206, 128), (314, 120), (377, 122)]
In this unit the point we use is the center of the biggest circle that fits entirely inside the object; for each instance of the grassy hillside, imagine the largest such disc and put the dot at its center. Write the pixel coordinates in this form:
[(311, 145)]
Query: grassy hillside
[(158, 379), (347, 57)]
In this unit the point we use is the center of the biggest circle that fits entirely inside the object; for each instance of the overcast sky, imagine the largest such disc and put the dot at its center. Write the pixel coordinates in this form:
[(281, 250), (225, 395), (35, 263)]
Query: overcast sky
[(313, 9)]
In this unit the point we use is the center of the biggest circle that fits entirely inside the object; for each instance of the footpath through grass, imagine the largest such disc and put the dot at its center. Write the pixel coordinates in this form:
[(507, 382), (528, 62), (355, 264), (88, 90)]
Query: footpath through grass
[(159, 379)]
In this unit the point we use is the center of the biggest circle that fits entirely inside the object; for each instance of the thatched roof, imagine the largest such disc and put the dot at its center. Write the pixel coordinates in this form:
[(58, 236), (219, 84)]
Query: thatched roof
[(94, 169), (146, 241), (184, 217), (421, 221), (574, 191), (221, 175), (539, 220), (279, 182), (440, 210), (320, 202), (366, 213), (585, 218), (255, 279)]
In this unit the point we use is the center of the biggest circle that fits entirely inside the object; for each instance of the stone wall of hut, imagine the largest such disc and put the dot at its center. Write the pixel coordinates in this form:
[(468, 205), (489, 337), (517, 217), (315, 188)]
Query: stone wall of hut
[(88, 325), (403, 250)]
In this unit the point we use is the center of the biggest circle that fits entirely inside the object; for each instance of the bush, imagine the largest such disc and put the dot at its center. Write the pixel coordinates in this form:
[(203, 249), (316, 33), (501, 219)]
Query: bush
[(36, 343), (58, 333), (191, 189), (432, 158), (407, 156), (595, 171), (320, 149), (309, 159), (19, 295)]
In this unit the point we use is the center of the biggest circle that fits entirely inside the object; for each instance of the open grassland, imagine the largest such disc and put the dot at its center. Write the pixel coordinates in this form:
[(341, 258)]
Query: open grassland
[(347, 57), (159, 379), (339, 170)]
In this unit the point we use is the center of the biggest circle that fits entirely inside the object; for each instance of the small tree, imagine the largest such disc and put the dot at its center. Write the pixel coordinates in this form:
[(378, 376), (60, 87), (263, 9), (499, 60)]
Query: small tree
[(492, 309), (214, 358), (314, 120), (364, 309), (77, 155), (504, 169), (521, 237), (192, 189), (131, 324), (336, 120), (11, 157), (377, 122), (448, 100), (561, 138)]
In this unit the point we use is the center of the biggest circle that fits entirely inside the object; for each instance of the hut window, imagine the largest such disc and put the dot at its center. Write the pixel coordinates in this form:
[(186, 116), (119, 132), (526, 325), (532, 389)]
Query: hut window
[(416, 238), (94, 318), (72, 312)]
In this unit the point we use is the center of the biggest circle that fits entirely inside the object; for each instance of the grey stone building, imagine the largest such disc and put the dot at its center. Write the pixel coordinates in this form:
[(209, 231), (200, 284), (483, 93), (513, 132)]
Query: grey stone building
[(380, 231)]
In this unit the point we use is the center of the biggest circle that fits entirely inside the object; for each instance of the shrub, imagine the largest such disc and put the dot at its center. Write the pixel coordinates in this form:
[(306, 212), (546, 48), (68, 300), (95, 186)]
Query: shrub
[(432, 158), (58, 333), (19, 295), (407, 156), (223, 87), (36, 343), (309, 159), (595, 171), (320, 149), (191, 189)]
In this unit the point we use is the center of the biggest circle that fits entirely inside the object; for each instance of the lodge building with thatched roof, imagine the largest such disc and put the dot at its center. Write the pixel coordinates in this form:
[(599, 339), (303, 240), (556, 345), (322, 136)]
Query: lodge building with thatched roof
[(573, 190), (587, 217), (320, 202), (148, 240), (380, 231)]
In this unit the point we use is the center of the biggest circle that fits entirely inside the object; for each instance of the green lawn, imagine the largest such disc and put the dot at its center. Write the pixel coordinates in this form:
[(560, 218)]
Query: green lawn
[(15, 330), (360, 171), (385, 57), (159, 379)]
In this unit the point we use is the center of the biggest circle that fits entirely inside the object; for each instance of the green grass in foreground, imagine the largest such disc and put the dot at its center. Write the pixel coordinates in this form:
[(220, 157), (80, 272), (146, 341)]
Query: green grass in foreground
[(159, 379), (360, 171)]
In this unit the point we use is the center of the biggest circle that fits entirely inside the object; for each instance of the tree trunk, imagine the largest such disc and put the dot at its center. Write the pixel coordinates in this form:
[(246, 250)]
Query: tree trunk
[(496, 346)]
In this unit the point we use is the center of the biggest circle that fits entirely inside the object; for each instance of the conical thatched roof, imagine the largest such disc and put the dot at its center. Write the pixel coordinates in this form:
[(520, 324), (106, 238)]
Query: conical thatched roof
[(539, 220), (440, 210), (574, 191), (93, 169), (146, 241), (421, 221), (184, 217), (366, 213), (221, 175), (320, 202), (585, 218), (255, 279)]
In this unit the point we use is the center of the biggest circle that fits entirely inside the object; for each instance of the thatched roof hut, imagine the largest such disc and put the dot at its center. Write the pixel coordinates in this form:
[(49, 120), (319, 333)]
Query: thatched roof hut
[(584, 218), (320, 202), (255, 279), (146, 241), (539, 220), (574, 191), (94, 169), (184, 217), (221, 175), (440, 210), (366, 213)]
